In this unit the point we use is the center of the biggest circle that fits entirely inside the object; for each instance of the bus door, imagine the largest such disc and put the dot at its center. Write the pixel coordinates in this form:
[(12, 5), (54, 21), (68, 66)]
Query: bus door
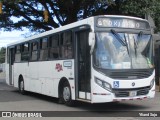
[(82, 65), (11, 62)]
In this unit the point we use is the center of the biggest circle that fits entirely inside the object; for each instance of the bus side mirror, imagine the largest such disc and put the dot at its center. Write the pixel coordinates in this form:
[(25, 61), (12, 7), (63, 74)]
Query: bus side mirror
[(91, 41)]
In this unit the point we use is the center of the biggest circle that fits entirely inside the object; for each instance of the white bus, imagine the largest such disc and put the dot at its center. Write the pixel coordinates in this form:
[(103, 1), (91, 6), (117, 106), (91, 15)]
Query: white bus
[(99, 59)]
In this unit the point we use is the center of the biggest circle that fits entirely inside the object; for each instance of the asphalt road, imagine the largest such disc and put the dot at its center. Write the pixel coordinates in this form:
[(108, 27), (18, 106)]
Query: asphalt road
[(12, 100)]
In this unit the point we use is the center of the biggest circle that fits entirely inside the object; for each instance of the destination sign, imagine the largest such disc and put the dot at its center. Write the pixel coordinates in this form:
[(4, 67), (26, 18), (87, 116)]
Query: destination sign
[(122, 23)]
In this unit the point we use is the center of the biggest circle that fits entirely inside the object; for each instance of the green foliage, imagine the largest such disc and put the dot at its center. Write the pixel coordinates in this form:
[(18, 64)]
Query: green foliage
[(141, 7), (29, 13), (2, 54)]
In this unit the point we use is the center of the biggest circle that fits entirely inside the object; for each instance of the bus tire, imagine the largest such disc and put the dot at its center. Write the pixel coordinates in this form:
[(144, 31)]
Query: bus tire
[(66, 94), (21, 86)]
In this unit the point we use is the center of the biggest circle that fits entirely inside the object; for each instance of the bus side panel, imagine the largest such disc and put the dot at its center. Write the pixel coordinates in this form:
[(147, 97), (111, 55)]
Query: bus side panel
[(50, 74), (64, 69), (34, 82), (45, 77), (19, 69), (25, 74)]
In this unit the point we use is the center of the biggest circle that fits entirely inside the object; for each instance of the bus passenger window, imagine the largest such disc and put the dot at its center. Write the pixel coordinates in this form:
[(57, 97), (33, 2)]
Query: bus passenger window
[(43, 49), (66, 45), (34, 53), (54, 47), (25, 52), (18, 53)]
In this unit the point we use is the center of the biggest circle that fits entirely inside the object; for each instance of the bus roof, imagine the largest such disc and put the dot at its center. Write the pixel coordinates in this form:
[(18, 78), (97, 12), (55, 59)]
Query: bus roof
[(86, 21)]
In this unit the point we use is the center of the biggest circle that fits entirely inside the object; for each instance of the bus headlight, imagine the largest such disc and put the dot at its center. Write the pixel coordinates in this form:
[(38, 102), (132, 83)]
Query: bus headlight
[(152, 83), (103, 84)]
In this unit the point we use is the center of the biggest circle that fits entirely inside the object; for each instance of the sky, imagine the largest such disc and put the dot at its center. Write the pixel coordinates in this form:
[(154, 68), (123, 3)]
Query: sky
[(10, 36)]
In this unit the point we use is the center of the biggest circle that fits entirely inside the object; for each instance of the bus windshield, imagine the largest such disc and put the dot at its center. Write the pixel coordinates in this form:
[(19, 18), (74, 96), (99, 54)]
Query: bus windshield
[(135, 52)]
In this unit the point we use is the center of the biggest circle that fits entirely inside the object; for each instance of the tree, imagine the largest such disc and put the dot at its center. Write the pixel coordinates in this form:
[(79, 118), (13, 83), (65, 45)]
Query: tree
[(141, 7), (30, 13), (60, 12), (2, 55)]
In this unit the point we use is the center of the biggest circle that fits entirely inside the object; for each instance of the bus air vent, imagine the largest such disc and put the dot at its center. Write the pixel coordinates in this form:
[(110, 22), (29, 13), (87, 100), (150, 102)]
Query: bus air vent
[(130, 74)]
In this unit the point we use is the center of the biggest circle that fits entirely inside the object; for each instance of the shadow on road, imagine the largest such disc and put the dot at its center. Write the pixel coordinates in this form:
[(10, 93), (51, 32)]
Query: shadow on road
[(101, 107)]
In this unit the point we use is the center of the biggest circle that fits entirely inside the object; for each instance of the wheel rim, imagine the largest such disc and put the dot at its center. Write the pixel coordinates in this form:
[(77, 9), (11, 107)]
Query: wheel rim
[(21, 85), (66, 93)]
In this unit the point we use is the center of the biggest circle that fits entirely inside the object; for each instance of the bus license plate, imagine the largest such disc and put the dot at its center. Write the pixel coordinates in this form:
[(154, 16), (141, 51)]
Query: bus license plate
[(132, 93)]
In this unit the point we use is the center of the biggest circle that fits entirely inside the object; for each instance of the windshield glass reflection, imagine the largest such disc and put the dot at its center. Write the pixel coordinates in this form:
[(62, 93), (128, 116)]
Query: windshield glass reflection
[(110, 53)]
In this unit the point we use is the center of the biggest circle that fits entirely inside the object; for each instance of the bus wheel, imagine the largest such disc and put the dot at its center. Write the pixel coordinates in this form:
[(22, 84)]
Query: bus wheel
[(21, 87), (67, 94)]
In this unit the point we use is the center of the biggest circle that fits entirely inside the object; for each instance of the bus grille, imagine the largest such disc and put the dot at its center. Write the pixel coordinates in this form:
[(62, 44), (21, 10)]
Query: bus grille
[(142, 92), (125, 92), (130, 74)]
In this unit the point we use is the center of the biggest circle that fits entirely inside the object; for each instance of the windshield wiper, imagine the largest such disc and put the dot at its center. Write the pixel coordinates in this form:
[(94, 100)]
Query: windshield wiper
[(135, 46), (126, 44), (137, 41), (139, 36), (118, 37)]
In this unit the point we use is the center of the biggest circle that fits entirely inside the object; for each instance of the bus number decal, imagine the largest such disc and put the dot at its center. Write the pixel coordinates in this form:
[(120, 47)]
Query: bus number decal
[(67, 64), (58, 67), (116, 84)]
